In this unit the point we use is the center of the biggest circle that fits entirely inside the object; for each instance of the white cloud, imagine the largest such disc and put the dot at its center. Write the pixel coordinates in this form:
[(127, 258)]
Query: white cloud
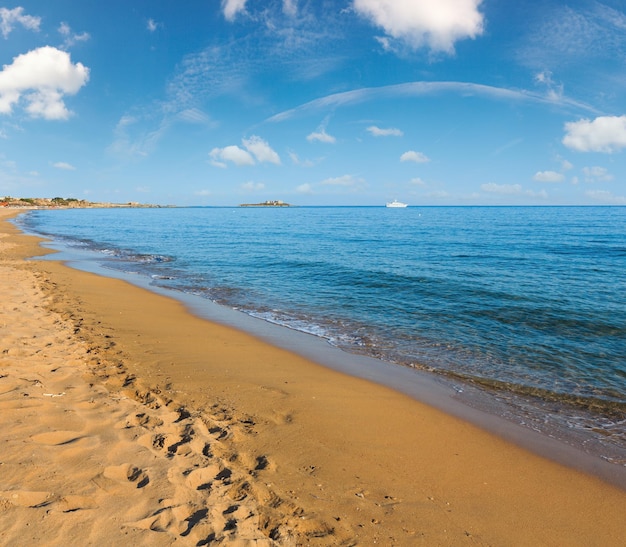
[(566, 165), (321, 136), (8, 18), (419, 89), (232, 153), (378, 132), (255, 147), (606, 197), (417, 182), (195, 116), (63, 165), (548, 176), (232, 7), (417, 157), (604, 134), (152, 25), (71, 38), (261, 150), (42, 77), (437, 25), (597, 174)]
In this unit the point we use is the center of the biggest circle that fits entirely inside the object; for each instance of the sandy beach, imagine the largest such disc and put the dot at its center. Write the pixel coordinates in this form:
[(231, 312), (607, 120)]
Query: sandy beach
[(127, 420)]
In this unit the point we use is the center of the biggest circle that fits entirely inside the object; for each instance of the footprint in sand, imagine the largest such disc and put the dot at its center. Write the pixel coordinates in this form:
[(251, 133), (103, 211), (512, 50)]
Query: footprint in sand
[(127, 473), (23, 498), (57, 438)]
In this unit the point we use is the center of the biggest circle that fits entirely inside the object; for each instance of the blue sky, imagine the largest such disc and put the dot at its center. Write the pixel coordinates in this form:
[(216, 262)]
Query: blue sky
[(344, 102)]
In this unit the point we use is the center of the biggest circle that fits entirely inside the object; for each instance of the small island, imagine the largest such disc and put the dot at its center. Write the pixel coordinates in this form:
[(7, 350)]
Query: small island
[(274, 203)]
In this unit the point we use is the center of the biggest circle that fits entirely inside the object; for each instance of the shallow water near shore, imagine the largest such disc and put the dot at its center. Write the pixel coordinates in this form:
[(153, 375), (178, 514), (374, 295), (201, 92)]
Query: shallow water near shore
[(527, 303)]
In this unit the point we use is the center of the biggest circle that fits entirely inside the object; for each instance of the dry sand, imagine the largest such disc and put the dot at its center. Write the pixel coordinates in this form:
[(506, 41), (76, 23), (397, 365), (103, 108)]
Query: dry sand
[(127, 421)]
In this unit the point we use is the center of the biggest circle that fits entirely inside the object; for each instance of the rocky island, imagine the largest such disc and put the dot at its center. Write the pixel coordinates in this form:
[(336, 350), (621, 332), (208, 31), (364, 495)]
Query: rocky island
[(274, 203)]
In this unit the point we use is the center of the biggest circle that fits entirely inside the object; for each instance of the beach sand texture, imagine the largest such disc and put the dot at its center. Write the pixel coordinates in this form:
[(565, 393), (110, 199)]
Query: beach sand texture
[(125, 420)]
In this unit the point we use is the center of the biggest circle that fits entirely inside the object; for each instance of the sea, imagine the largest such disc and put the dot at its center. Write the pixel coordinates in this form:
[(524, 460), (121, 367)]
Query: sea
[(525, 304)]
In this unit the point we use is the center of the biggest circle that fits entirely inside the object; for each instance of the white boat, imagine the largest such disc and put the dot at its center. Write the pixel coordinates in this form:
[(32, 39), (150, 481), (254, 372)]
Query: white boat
[(395, 203)]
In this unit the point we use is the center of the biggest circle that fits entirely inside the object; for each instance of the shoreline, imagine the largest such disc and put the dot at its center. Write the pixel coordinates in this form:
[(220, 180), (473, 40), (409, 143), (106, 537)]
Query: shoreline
[(454, 395), (326, 458)]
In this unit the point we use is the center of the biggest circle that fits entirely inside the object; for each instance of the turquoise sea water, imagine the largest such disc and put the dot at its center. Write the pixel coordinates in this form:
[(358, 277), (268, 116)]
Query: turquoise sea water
[(527, 302)]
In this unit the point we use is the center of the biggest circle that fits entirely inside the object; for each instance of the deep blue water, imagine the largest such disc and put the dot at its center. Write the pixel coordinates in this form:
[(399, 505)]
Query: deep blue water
[(522, 299)]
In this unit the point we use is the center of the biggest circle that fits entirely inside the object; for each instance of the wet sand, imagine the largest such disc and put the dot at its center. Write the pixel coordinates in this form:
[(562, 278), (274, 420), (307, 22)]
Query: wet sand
[(127, 420)]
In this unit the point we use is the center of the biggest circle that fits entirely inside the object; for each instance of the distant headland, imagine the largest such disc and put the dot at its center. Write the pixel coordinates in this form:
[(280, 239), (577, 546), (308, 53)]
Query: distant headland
[(274, 203), (65, 203)]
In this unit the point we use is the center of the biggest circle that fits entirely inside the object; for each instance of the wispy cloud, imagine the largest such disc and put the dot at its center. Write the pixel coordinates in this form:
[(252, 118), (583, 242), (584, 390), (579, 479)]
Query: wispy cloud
[(568, 35), (321, 136), (10, 17), (320, 133), (389, 132), (418, 89), (152, 25), (71, 38), (64, 166)]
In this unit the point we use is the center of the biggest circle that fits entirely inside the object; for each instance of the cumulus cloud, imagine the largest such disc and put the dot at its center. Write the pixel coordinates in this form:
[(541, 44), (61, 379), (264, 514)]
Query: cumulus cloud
[(417, 157), (63, 165), (604, 134), (321, 136), (232, 7), (548, 176), (254, 147), (234, 154), (41, 77), (437, 25), (261, 150), (390, 132), (9, 17)]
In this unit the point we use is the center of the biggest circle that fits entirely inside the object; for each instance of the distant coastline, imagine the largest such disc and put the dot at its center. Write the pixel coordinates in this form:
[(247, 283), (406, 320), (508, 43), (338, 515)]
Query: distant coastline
[(67, 203)]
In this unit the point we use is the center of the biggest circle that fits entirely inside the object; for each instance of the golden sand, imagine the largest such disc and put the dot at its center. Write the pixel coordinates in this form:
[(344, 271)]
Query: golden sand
[(125, 420)]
